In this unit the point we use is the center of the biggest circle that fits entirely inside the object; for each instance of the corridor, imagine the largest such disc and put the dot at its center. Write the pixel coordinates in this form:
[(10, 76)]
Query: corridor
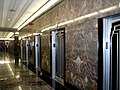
[(18, 77), (60, 44)]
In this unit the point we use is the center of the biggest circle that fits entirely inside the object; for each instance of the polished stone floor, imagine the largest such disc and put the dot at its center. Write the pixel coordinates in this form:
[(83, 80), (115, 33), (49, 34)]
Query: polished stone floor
[(18, 77)]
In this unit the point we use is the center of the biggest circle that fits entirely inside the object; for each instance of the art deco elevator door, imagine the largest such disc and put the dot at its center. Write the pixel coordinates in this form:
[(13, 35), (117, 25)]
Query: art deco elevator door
[(60, 54), (114, 61)]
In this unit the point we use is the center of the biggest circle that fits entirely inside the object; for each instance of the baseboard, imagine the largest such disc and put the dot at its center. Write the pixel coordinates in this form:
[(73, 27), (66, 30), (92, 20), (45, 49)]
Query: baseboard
[(70, 86)]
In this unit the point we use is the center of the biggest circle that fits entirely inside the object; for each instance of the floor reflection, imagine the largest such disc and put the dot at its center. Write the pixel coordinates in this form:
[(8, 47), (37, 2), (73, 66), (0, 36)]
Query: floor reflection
[(14, 76)]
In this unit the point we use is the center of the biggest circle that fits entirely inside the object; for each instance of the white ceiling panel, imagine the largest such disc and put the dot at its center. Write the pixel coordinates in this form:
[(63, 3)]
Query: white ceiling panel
[(5, 11), (13, 13), (1, 10), (20, 9), (32, 9)]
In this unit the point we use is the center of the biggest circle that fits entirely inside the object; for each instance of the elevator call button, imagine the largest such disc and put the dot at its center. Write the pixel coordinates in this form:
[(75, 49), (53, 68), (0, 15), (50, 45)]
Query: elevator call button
[(54, 45)]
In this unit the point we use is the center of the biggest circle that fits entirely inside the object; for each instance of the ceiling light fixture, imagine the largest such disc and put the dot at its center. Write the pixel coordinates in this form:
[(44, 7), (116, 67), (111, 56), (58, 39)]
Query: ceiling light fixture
[(39, 12), (16, 33), (12, 10), (6, 38), (10, 34), (8, 19), (36, 33)]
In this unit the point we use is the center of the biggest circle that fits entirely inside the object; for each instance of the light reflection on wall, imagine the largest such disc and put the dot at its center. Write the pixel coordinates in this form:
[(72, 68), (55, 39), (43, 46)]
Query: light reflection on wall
[(82, 17)]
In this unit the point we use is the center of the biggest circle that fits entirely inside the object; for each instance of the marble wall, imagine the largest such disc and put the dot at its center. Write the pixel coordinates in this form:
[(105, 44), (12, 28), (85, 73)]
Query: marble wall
[(81, 55), (45, 52), (81, 38)]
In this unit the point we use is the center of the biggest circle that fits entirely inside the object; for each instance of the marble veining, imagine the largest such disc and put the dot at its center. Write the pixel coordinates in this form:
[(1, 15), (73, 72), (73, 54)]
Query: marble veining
[(81, 38), (81, 54), (45, 49)]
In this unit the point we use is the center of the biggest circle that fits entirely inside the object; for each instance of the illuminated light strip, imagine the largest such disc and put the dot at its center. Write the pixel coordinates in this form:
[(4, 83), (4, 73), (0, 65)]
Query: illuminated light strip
[(6, 38), (108, 9), (36, 33), (46, 29), (70, 21), (26, 36), (39, 12), (29, 35), (51, 27), (66, 22), (82, 17), (86, 16), (16, 33), (23, 37)]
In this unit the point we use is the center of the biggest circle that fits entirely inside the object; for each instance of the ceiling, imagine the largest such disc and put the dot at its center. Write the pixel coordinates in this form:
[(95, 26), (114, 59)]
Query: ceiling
[(14, 13)]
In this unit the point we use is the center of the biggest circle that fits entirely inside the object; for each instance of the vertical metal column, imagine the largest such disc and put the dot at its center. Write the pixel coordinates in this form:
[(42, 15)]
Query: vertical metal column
[(106, 53), (27, 43), (53, 54), (37, 51)]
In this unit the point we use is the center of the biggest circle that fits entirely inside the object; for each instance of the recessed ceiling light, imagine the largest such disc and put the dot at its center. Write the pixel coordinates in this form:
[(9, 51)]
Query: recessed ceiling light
[(8, 19), (12, 10)]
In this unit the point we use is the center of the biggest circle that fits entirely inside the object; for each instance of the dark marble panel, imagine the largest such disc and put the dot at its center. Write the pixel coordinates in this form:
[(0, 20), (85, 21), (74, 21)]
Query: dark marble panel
[(31, 50), (81, 55), (45, 52)]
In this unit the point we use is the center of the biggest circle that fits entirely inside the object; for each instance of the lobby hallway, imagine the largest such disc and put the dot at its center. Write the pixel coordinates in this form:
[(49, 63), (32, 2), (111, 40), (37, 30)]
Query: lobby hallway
[(18, 77)]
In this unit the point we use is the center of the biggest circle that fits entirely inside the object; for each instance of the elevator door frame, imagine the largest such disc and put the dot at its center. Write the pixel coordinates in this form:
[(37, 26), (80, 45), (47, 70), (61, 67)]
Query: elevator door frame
[(104, 47), (27, 48), (53, 53), (24, 50), (37, 52), (21, 50)]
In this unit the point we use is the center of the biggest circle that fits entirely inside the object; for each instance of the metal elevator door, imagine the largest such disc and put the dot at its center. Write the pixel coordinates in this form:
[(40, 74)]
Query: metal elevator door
[(114, 62), (60, 54)]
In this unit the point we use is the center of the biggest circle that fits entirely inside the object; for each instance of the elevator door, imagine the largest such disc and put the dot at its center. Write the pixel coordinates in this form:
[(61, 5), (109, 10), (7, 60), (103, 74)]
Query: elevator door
[(31, 51), (27, 48), (114, 61), (60, 54), (24, 50)]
